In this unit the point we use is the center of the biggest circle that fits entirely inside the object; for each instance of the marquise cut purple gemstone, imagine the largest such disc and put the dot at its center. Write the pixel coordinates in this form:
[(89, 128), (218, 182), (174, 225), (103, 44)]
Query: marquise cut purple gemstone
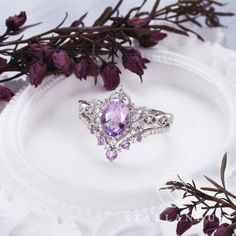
[(115, 118)]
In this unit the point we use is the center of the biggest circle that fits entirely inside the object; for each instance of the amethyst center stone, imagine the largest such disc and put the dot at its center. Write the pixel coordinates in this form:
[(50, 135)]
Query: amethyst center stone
[(115, 118)]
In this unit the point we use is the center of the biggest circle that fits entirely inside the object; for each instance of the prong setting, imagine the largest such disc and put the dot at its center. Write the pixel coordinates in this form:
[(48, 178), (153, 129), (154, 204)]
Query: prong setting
[(127, 124)]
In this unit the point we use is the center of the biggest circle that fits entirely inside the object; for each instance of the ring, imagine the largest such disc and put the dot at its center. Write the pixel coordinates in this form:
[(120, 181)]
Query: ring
[(117, 122)]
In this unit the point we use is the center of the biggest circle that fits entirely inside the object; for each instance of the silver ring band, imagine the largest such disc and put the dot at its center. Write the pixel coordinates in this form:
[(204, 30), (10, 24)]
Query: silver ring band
[(117, 122)]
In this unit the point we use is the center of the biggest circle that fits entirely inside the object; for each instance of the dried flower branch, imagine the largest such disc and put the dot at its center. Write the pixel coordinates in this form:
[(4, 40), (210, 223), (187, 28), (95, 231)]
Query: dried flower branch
[(212, 201), (90, 51)]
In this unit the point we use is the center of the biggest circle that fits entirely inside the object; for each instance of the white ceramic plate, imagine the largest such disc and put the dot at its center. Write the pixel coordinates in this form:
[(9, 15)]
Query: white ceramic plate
[(46, 150)]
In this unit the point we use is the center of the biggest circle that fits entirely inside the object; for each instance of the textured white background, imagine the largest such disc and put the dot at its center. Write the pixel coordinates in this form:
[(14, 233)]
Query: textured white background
[(51, 13)]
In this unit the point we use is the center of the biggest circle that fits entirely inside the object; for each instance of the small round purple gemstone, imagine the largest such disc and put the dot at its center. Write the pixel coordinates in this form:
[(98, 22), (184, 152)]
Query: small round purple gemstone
[(92, 130), (139, 137), (101, 140), (115, 118), (125, 144), (111, 155)]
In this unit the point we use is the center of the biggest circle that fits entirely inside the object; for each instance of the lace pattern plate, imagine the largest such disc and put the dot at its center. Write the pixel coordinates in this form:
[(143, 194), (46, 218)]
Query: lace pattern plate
[(50, 155)]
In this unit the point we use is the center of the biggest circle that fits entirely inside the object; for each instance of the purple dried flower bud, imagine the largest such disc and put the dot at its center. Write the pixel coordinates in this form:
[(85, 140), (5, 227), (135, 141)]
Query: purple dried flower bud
[(137, 22), (170, 214), (93, 69), (35, 47), (146, 39), (224, 230), (3, 63), (150, 39), (37, 72), (42, 52), (133, 61), (61, 60), (80, 69), (111, 75), (184, 223), (13, 23), (85, 67), (210, 224), (5, 94), (43, 49)]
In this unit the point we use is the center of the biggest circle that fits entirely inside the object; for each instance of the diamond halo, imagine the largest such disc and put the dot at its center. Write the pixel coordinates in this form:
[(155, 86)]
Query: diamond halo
[(117, 122)]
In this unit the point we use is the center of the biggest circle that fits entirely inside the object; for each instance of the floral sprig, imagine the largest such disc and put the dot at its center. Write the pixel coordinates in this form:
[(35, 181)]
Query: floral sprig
[(93, 50), (216, 204)]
